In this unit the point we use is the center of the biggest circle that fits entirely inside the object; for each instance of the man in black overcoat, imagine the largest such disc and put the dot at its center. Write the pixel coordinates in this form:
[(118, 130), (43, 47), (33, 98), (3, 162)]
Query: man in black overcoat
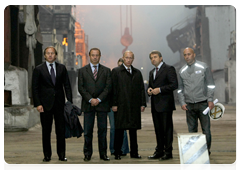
[(128, 103), (162, 83), (50, 85), (94, 85)]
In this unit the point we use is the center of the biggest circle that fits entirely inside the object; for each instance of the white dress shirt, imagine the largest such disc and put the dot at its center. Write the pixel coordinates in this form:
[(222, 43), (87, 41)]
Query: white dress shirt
[(128, 68), (49, 67), (154, 73), (93, 68)]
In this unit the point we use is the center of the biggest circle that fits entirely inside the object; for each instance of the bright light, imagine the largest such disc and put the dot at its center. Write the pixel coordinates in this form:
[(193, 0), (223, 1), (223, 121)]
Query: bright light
[(65, 42)]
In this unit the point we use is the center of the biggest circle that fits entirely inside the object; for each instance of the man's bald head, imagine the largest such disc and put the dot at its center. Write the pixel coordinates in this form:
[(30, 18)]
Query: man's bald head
[(189, 55), (188, 48)]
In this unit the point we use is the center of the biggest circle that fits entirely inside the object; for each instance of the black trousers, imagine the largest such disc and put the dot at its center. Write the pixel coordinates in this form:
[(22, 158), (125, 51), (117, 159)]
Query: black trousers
[(163, 125), (89, 118), (56, 113), (118, 141)]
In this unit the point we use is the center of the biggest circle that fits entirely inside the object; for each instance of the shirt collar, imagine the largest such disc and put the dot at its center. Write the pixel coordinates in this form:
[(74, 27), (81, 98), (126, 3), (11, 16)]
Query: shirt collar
[(48, 64), (127, 67), (94, 65), (159, 66)]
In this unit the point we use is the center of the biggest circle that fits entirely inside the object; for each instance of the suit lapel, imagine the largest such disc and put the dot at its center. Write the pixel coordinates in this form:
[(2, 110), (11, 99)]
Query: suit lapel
[(125, 72), (89, 71), (151, 77), (160, 71), (100, 70), (57, 72), (122, 68), (133, 72)]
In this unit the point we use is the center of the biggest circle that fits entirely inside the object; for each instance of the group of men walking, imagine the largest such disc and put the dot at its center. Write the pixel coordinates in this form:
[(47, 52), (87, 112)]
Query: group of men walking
[(123, 91)]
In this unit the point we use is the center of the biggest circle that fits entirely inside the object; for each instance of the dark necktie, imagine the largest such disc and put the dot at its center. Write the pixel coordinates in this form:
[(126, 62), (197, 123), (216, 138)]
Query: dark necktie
[(95, 72), (128, 69), (53, 74)]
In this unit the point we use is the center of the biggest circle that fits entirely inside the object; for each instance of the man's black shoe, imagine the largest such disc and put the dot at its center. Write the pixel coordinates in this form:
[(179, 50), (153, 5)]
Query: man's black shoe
[(87, 158), (166, 157), (117, 157), (122, 154), (105, 158), (156, 156), (63, 159), (135, 156), (46, 159)]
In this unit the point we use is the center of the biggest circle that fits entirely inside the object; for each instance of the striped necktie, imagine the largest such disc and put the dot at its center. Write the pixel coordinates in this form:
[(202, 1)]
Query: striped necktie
[(95, 72), (128, 69)]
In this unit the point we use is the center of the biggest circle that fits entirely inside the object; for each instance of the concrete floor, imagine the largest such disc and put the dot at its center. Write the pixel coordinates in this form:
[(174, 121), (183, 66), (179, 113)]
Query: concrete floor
[(26, 147)]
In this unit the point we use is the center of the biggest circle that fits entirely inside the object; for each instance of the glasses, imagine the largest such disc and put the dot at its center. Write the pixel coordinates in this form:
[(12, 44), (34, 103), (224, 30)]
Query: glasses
[(128, 58)]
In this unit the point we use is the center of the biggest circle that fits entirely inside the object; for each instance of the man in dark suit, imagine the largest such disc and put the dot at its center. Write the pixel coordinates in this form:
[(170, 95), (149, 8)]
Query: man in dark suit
[(128, 103), (48, 81), (94, 84), (162, 83)]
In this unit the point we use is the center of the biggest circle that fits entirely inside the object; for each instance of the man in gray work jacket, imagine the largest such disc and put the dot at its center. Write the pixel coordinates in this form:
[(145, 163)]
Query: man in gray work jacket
[(195, 92)]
